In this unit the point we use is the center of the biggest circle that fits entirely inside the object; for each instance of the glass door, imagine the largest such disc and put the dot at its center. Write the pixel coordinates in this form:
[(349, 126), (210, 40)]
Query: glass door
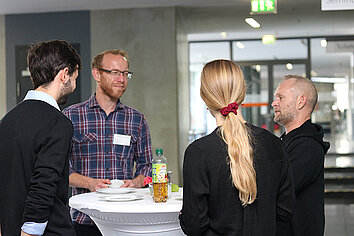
[(262, 81), (255, 108), (263, 65)]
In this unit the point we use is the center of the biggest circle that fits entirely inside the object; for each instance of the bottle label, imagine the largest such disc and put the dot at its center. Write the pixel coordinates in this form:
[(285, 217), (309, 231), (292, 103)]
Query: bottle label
[(159, 173)]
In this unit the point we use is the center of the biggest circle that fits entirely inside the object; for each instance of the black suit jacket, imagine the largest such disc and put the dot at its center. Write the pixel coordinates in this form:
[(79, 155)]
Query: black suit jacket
[(35, 141)]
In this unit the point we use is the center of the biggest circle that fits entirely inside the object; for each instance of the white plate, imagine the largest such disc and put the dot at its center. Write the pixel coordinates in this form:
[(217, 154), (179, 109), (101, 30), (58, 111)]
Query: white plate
[(115, 190), (123, 198)]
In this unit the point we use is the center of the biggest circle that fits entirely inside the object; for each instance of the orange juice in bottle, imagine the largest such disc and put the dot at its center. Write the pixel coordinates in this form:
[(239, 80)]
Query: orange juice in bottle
[(159, 177)]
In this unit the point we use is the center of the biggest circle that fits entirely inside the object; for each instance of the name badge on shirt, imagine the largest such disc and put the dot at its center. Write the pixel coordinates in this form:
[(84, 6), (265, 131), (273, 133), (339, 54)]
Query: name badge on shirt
[(121, 139)]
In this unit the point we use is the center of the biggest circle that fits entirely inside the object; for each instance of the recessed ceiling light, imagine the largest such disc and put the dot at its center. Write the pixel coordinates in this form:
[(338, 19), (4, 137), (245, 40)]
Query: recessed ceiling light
[(323, 43), (252, 22), (240, 45), (289, 66), (223, 34), (268, 39), (258, 68)]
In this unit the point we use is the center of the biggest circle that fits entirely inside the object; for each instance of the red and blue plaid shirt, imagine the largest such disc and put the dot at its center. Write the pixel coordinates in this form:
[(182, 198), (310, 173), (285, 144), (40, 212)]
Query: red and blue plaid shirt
[(95, 155)]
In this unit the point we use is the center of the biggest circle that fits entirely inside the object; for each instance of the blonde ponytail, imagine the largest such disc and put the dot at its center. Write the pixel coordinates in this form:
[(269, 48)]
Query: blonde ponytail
[(237, 136), (222, 83)]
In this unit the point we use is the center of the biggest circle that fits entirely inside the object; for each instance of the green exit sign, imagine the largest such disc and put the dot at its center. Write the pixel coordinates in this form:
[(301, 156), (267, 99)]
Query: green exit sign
[(263, 6)]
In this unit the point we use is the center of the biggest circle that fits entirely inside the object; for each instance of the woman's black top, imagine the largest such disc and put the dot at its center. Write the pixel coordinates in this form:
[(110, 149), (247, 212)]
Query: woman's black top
[(211, 204)]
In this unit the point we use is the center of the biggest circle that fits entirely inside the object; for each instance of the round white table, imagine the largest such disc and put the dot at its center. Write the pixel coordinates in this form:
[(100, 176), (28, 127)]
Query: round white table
[(138, 217)]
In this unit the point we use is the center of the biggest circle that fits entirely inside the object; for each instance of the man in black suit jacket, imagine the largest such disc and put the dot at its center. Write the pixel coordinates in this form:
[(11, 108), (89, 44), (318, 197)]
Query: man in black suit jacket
[(35, 142)]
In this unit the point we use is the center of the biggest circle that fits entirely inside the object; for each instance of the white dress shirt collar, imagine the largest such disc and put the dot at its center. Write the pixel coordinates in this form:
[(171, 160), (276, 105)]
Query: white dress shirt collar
[(41, 96)]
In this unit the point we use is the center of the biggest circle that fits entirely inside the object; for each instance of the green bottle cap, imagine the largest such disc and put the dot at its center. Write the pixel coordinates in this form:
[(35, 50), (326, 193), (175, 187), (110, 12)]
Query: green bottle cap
[(159, 151)]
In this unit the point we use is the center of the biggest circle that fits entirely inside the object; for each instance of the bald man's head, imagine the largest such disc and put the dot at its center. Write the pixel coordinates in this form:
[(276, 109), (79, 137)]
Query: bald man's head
[(304, 86)]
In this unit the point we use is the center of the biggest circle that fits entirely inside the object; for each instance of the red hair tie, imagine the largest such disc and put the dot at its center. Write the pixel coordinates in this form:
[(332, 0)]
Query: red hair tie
[(232, 107)]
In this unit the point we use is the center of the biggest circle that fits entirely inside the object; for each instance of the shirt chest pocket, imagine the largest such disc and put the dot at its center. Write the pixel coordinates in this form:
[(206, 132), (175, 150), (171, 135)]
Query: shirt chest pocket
[(85, 145)]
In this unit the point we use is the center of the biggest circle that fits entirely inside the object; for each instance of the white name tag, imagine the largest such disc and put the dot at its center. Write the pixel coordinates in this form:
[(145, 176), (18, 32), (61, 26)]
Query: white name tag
[(121, 139)]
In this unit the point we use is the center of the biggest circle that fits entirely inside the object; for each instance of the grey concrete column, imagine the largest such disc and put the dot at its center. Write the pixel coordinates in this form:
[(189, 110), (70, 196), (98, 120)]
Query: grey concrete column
[(149, 37), (3, 107), (183, 91)]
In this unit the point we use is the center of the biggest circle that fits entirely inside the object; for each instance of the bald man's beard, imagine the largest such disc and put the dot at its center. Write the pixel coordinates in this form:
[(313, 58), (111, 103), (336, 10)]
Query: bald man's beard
[(284, 119)]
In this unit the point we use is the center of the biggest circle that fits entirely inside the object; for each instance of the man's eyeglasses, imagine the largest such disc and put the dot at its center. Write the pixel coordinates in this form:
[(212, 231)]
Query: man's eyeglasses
[(117, 73)]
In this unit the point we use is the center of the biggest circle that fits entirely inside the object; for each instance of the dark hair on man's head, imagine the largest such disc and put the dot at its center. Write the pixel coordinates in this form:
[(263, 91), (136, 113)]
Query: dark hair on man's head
[(46, 59)]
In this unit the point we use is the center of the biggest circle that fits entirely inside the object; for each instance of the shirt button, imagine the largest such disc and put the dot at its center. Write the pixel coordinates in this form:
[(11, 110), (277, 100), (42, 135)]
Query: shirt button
[(107, 152), (107, 169)]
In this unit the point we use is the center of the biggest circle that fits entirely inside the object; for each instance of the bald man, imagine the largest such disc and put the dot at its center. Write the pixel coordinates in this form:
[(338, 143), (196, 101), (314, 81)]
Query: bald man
[(295, 100)]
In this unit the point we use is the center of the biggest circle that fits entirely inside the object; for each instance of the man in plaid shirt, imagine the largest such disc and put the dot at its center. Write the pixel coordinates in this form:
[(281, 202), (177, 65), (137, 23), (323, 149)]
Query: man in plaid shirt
[(110, 140)]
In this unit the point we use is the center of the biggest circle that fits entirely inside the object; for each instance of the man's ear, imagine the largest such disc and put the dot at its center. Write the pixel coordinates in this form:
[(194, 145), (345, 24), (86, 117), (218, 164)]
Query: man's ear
[(64, 75), (96, 74), (301, 102)]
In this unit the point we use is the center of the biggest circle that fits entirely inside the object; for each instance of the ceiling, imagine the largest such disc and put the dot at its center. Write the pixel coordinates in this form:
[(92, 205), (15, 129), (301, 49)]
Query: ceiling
[(205, 19), (36, 6)]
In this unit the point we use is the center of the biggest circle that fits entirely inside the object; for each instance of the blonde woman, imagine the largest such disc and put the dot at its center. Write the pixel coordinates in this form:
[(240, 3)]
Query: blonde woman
[(236, 179)]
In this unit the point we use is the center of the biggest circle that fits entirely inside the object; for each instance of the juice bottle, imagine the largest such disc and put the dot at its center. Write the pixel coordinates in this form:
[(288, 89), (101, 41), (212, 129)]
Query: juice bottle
[(159, 177)]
